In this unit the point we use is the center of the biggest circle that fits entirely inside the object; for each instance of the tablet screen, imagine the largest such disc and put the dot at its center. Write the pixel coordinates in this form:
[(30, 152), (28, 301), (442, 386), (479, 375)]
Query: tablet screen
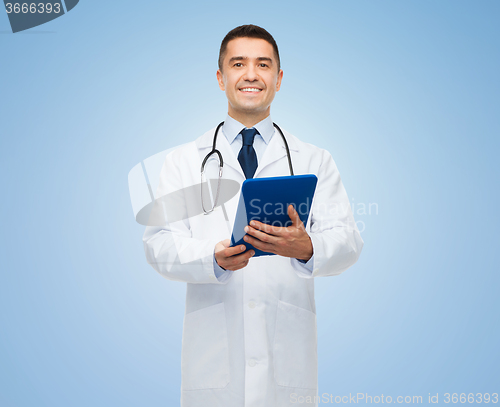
[(266, 200)]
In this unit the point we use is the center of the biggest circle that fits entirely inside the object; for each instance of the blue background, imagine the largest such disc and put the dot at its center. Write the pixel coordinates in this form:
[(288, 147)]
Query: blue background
[(405, 95)]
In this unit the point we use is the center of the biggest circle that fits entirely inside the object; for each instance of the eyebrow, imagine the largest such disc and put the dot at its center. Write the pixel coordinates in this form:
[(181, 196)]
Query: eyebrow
[(267, 59)]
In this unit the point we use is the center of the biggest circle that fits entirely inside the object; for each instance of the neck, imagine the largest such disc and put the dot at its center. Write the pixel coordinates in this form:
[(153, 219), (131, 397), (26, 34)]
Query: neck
[(249, 119)]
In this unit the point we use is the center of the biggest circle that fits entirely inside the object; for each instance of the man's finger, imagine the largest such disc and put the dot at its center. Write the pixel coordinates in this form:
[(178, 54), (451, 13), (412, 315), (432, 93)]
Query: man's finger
[(239, 261), (266, 247), (232, 251), (294, 216), (223, 244), (263, 237), (269, 229), (244, 256)]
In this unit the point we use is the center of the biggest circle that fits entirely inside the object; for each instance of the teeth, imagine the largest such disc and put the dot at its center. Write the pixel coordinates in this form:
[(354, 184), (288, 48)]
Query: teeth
[(250, 90)]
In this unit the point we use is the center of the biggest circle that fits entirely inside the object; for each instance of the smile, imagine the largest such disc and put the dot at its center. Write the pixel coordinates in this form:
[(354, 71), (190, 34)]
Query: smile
[(250, 90)]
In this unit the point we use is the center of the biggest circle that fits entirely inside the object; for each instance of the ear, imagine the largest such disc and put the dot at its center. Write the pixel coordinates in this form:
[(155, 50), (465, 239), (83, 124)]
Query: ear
[(220, 79), (280, 77)]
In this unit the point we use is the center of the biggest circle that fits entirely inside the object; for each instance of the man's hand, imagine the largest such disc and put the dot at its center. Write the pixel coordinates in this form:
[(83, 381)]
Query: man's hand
[(292, 241), (232, 258)]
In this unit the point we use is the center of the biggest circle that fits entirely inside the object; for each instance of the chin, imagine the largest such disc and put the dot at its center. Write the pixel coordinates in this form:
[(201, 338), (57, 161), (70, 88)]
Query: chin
[(251, 105), (252, 109)]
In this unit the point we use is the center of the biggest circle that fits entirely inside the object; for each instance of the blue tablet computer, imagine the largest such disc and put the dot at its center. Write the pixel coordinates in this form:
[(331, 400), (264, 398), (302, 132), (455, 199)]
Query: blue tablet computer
[(266, 200)]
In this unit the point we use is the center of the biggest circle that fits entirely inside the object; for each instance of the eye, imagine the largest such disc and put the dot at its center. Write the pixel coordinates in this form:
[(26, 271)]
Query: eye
[(263, 65), (237, 64)]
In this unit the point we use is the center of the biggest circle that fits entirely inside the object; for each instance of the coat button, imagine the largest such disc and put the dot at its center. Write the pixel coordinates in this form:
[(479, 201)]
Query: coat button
[(251, 304), (251, 363)]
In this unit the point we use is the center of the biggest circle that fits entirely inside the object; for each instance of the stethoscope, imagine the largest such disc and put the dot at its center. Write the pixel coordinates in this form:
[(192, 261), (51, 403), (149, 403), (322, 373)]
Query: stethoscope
[(221, 164)]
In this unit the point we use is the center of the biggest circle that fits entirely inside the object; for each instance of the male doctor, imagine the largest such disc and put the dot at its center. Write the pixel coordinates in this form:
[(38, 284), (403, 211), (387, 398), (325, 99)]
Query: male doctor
[(249, 334)]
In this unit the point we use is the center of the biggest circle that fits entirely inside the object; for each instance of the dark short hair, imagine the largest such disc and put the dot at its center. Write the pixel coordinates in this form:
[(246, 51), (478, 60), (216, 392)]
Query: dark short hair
[(248, 31)]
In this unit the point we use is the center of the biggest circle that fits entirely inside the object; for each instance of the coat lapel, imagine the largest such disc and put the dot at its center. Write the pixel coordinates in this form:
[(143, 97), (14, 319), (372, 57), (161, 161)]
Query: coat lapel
[(275, 151)]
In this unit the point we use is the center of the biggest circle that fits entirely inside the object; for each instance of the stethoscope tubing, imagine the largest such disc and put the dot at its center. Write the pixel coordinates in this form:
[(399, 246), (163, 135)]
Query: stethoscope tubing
[(221, 164)]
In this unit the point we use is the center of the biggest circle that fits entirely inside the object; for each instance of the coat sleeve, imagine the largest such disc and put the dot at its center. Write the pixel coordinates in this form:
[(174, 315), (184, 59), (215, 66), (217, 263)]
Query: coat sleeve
[(170, 249), (335, 237)]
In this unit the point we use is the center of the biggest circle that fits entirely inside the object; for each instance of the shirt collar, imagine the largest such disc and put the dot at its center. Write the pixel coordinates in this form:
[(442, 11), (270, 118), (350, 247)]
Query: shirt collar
[(232, 128)]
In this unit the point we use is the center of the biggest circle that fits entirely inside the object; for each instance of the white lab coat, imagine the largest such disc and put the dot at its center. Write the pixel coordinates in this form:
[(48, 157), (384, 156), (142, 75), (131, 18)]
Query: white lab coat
[(249, 338)]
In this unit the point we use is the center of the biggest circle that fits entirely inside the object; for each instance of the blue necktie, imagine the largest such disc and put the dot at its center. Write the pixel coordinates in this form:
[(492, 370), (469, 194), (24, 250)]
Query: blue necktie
[(247, 156)]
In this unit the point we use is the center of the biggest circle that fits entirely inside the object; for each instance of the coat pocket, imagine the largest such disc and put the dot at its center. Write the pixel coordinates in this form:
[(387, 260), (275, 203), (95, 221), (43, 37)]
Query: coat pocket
[(295, 347), (205, 353)]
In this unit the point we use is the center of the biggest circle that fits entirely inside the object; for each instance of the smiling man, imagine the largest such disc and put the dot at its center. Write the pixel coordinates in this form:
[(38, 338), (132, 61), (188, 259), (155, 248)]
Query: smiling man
[(249, 334), (249, 72)]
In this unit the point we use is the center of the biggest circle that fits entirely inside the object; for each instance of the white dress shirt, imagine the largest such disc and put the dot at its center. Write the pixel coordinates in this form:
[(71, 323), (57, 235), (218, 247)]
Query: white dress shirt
[(232, 131)]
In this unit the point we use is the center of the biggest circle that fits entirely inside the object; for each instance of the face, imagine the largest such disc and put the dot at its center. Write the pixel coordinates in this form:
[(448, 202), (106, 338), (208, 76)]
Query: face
[(249, 76)]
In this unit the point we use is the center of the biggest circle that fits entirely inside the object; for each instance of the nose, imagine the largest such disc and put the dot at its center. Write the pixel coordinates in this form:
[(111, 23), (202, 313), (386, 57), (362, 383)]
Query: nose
[(251, 74)]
